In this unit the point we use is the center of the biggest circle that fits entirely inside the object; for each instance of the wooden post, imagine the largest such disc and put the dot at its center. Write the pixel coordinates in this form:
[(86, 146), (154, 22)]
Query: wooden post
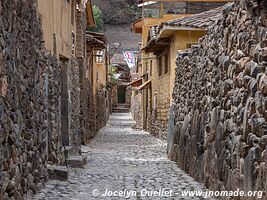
[(161, 10)]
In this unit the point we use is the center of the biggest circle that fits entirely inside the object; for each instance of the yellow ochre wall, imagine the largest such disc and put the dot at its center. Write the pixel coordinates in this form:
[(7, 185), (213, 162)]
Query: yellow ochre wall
[(101, 70), (162, 86), (56, 18), (179, 41), (146, 24)]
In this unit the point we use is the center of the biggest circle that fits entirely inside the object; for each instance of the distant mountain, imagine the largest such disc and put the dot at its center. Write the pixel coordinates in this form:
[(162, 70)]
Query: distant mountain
[(118, 16)]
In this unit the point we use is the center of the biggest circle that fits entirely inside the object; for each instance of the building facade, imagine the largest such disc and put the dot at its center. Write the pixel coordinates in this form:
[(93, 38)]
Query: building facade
[(97, 74), (161, 39), (42, 91)]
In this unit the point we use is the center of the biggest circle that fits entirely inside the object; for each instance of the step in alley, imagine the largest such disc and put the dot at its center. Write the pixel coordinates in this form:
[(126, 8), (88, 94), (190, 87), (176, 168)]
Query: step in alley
[(120, 158)]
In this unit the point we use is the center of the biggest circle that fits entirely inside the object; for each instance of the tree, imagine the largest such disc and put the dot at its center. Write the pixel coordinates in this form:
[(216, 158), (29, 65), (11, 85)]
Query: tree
[(98, 19)]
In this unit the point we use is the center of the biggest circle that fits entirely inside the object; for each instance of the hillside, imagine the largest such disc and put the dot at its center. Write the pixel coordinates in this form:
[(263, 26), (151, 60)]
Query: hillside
[(118, 16), (118, 11)]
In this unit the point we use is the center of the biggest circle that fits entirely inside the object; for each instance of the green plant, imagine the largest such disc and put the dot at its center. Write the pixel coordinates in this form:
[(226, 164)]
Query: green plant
[(133, 10), (98, 15)]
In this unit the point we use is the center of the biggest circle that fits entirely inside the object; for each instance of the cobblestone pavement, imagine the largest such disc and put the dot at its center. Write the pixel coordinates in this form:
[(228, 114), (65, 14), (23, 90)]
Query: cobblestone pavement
[(123, 159)]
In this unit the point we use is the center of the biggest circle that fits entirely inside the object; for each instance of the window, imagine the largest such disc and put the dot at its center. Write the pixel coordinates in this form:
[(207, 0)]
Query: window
[(73, 43), (160, 65), (99, 56), (166, 64), (163, 64), (150, 68)]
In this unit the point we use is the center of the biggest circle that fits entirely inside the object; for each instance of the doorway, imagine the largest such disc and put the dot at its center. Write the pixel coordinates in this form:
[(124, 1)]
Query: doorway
[(121, 94), (65, 123)]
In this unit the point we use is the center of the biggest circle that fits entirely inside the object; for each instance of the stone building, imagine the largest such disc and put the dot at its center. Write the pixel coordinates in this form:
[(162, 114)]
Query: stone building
[(217, 128), (87, 119), (64, 24), (164, 42), (97, 74), (152, 15), (40, 90), (162, 36)]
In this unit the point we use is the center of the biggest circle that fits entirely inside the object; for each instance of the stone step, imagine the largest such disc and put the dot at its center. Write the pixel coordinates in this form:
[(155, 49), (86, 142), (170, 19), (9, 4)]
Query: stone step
[(56, 172), (70, 150), (120, 110), (122, 106), (76, 161)]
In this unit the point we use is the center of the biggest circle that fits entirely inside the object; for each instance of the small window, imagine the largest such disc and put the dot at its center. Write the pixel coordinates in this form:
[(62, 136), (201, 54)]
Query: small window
[(150, 67), (99, 56), (160, 66), (166, 64), (73, 43)]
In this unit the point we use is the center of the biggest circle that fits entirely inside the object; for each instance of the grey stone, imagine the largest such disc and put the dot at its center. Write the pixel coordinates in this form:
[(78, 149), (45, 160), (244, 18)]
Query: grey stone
[(76, 161), (58, 173), (226, 87), (122, 158)]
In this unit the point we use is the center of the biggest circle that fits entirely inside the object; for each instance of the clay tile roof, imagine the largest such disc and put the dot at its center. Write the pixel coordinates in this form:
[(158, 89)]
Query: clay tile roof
[(118, 59), (202, 20)]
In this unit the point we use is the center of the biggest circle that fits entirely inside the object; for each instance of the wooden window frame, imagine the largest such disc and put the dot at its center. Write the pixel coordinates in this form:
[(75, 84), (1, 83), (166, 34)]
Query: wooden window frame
[(151, 63), (160, 65), (166, 63), (162, 68), (100, 56)]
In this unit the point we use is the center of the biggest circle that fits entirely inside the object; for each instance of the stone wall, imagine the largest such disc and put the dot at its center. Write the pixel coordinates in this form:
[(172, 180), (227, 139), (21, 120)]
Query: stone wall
[(53, 91), (74, 105), (33, 86), (128, 96), (86, 101), (87, 108), (25, 122), (160, 103), (136, 109), (217, 129), (102, 107)]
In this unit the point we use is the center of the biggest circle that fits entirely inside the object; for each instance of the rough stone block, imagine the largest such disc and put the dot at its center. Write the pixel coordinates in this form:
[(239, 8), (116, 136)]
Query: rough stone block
[(60, 173), (76, 161)]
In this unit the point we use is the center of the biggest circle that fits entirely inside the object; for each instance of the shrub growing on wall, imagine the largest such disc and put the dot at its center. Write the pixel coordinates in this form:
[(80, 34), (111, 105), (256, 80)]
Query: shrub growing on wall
[(98, 19)]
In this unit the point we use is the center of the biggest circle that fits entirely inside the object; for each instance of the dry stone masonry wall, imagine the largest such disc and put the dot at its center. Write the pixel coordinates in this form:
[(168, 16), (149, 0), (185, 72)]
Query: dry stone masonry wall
[(101, 107), (31, 96), (74, 105), (218, 129), (136, 110), (53, 93), (24, 124)]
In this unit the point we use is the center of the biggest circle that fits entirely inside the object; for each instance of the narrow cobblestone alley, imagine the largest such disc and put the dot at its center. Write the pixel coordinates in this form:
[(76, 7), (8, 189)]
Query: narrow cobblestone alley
[(122, 158)]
